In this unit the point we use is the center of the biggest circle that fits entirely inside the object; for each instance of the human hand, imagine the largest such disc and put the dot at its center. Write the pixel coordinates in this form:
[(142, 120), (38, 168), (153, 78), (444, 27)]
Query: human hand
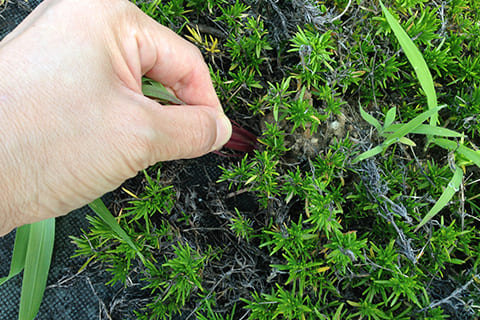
[(73, 121)]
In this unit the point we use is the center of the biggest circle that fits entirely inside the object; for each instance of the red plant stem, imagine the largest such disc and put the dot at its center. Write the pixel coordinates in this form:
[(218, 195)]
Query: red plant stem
[(241, 140)]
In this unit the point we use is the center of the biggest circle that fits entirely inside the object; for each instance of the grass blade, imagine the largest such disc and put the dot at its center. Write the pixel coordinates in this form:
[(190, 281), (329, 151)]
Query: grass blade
[(369, 153), (397, 136), (390, 117), (447, 194), (37, 264), (407, 142), (411, 125), (416, 60), (370, 119), (468, 153), (427, 130), (102, 211), (19, 252)]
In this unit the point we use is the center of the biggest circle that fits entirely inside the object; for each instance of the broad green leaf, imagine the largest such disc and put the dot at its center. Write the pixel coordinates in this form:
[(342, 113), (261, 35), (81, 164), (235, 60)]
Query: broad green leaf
[(102, 211), (427, 129), (447, 194), (19, 252), (157, 90), (37, 264), (415, 58), (370, 119), (368, 154), (390, 117), (468, 153)]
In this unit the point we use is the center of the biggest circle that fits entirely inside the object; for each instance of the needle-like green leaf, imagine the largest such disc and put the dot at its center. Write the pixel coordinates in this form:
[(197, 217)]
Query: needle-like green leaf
[(19, 252), (415, 58), (447, 194), (37, 265), (102, 211)]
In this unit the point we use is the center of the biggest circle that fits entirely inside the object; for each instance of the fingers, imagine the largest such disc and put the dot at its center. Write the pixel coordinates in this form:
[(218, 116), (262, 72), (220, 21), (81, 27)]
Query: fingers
[(181, 132), (192, 130), (174, 62)]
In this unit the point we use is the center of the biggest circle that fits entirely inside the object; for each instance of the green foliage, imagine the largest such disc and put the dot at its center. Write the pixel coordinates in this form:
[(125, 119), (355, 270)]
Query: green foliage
[(155, 199), (170, 13), (119, 255), (32, 253), (108, 224), (399, 132), (241, 226), (345, 249), (274, 139), (259, 175), (201, 5), (154, 89), (465, 111), (37, 264), (277, 95), (364, 178), (416, 59), (247, 46), (233, 15), (19, 251), (451, 189), (315, 52), (301, 113), (185, 274)]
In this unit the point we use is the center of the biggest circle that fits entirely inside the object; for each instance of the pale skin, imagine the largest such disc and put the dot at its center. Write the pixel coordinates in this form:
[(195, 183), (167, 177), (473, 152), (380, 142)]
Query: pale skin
[(73, 121)]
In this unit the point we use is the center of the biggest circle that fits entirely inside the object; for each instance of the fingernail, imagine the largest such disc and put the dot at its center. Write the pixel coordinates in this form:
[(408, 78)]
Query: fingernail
[(224, 131)]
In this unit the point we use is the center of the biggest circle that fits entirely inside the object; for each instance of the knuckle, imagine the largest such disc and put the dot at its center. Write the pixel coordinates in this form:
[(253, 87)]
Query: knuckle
[(137, 141), (201, 137)]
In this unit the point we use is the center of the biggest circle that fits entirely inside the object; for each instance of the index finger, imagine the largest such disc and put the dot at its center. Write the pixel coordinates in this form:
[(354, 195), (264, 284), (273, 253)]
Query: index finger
[(176, 63)]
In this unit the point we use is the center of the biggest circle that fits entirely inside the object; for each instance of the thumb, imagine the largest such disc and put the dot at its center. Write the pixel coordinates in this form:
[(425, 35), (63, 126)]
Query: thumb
[(187, 131)]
